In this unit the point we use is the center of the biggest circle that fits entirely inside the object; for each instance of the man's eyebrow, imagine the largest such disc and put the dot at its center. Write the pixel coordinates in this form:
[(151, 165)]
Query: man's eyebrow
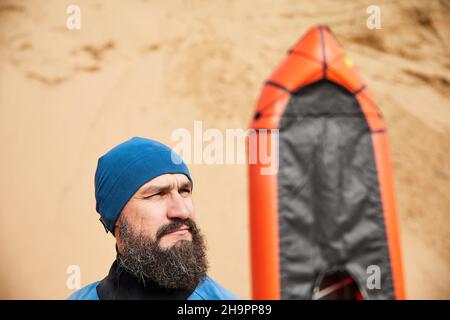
[(186, 184), (156, 188), (165, 187)]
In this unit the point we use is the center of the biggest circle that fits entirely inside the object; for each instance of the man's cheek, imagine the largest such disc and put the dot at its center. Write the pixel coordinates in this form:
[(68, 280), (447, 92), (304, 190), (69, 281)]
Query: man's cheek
[(147, 222), (149, 233)]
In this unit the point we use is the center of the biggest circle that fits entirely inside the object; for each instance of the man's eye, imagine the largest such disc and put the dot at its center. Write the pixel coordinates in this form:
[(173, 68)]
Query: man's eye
[(186, 191), (155, 195)]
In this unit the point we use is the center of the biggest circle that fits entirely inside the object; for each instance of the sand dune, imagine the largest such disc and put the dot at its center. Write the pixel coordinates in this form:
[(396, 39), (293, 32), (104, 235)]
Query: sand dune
[(147, 68)]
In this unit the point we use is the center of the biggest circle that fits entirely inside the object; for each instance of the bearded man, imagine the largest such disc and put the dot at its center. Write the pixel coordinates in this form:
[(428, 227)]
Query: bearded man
[(143, 195)]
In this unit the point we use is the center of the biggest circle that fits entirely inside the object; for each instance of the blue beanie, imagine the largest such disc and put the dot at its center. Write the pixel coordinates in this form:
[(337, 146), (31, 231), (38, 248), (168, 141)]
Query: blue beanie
[(125, 168)]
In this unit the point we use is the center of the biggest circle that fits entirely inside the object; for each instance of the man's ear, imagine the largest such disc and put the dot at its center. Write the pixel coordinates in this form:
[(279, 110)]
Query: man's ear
[(116, 230), (116, 234)]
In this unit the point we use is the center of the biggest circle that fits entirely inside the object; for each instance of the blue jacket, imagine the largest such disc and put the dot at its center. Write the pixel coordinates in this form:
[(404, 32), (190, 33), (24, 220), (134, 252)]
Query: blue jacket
[(206, 290)]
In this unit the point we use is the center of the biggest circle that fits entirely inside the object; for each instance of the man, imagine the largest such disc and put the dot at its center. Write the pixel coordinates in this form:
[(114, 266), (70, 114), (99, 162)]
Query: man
[(143, 195)]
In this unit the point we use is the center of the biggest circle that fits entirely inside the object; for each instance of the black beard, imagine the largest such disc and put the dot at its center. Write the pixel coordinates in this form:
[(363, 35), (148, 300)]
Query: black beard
[(182, 266)]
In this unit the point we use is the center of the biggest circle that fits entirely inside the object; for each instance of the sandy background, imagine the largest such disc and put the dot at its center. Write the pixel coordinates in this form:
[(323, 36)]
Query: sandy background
[(149, 67)]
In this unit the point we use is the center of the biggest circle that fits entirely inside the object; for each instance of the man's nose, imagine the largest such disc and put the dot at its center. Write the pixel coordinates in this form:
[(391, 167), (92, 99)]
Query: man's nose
[(178, 207)]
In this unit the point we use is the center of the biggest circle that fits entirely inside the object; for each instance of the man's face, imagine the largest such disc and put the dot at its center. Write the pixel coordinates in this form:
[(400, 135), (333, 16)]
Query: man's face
[(157, 237), (156, 205)]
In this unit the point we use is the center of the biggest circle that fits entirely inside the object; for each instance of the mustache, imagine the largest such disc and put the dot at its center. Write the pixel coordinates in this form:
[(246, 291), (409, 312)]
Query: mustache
[(175, 225)]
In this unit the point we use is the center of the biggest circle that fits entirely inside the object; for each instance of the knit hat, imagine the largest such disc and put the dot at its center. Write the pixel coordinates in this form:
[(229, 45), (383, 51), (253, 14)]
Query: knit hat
[(125, 168)]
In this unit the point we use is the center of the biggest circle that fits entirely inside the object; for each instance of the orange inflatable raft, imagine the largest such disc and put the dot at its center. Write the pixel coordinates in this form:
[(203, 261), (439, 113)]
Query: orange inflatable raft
[(324, 225)]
